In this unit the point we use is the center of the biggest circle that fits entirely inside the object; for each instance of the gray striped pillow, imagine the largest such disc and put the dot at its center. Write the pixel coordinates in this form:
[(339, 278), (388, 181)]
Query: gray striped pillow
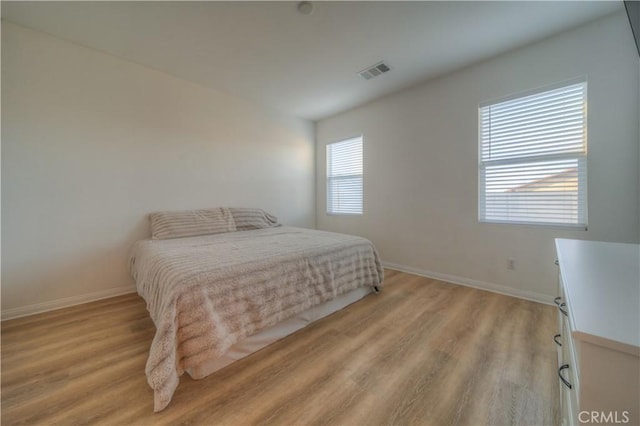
[(189, 223), (247, 218)]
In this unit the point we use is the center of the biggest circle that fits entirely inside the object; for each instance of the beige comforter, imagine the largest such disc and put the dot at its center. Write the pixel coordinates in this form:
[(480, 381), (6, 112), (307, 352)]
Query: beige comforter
[(206, 293)]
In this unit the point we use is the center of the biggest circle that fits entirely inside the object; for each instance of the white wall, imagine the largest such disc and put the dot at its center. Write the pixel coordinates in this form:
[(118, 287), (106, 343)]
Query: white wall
[(91, 144), (421, 150)]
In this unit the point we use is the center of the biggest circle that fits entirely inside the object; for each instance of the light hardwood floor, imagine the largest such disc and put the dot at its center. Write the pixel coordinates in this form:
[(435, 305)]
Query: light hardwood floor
[(421, 352)]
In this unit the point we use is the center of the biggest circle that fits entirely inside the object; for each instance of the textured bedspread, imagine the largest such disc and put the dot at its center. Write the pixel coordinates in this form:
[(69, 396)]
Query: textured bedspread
[(206, 293)]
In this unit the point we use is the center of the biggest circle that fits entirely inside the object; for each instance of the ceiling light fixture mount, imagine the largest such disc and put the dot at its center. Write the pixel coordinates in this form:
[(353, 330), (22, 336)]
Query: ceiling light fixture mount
[(305, 7)]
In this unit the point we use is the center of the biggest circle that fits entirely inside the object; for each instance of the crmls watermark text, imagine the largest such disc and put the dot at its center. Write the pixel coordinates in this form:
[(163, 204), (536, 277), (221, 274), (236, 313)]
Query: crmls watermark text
[(603, 417)]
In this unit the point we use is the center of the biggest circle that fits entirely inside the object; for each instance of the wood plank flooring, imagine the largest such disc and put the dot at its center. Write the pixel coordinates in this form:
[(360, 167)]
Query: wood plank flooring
[(422, 352)]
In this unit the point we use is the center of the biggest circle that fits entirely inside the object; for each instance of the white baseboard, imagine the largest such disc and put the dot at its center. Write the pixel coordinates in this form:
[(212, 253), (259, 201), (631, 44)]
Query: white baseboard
[(38, 308), (104, 294), (468, 282)]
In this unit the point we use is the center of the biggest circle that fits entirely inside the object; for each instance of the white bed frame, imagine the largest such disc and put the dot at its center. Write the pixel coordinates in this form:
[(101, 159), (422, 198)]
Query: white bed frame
[(278, 331)]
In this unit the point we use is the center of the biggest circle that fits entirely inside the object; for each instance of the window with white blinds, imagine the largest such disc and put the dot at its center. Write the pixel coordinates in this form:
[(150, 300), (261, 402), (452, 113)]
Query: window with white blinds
[(533, 165), (344, 177)]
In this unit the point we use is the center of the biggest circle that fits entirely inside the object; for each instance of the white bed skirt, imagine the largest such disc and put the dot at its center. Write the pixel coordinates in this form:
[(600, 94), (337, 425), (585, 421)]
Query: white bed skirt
[(276, 332)]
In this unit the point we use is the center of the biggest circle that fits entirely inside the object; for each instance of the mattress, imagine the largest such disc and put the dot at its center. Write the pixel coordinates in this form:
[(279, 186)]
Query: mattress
[(206, 294)]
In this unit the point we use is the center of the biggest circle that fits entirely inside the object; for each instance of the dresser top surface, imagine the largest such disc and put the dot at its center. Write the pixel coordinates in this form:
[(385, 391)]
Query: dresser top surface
[(602, 285)]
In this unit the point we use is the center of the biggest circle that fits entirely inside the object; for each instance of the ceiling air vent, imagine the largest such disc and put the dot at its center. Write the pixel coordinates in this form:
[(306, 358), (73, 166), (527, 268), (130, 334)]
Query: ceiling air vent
[(374, 71)]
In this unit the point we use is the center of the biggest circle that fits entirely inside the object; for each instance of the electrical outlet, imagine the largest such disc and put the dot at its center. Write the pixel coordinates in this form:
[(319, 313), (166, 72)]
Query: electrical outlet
[(511, 264)]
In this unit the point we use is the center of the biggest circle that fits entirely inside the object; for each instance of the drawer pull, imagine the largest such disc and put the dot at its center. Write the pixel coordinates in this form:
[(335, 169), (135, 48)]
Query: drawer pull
[(562, 305), (555, 339), (557, 300), (564, 367)]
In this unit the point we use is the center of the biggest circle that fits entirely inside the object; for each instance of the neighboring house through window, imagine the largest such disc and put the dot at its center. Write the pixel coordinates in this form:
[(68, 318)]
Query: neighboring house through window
[(344, 177), (533, 157)]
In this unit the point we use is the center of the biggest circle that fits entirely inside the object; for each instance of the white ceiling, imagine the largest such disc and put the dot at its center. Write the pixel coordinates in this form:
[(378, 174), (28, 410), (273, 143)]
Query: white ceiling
[(305, 64)]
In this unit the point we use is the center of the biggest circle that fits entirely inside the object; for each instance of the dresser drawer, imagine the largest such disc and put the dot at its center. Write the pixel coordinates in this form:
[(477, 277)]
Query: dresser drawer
[(569, 373)]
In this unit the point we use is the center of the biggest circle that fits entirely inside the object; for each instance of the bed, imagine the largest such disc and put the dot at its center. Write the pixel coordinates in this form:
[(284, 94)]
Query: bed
[(223, 283)]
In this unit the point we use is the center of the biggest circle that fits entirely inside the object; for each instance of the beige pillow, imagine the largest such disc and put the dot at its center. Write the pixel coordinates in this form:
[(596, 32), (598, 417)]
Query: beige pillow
[(247, 218), (189, 223)]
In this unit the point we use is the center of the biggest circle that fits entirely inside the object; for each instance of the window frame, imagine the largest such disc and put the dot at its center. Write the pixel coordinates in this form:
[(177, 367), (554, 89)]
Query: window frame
[(329, 178), (581, 158)]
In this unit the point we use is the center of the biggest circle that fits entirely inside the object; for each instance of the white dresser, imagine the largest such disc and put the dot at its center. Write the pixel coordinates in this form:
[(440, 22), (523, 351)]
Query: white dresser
[(598, 338)]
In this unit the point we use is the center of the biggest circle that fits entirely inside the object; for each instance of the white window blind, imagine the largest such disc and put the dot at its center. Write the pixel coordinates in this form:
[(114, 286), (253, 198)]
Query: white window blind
[(533, 165), (344, 177)]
